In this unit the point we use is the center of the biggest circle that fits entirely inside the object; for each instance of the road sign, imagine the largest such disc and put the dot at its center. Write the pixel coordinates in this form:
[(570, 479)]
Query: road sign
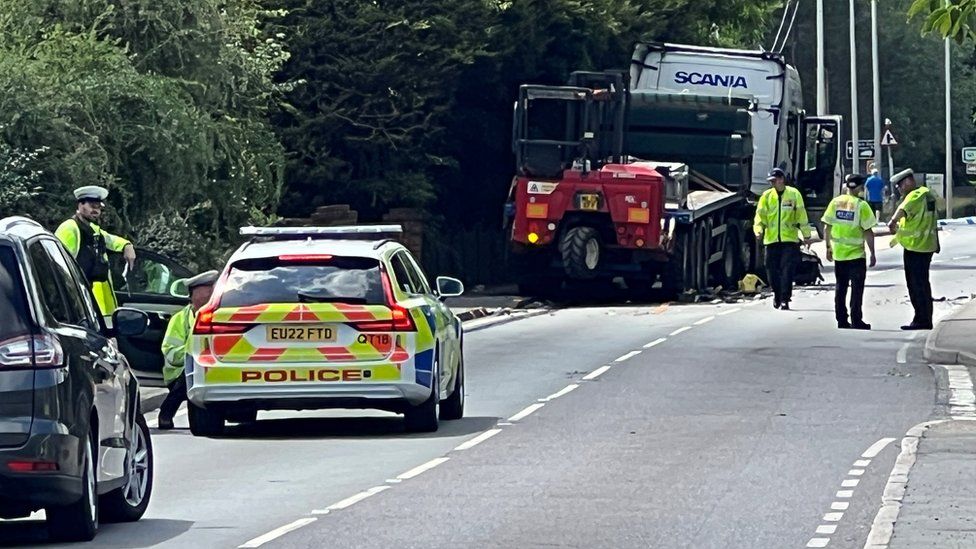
[(865, 148), (888, 139), (969, 155), (970, 169)]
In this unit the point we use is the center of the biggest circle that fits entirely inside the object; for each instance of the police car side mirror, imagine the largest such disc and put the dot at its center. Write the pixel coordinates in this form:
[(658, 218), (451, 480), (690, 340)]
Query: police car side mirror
[(178, 289), (449, 287), (129, 322)]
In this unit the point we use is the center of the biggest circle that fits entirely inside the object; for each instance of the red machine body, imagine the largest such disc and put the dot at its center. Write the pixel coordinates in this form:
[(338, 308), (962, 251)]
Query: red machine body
[(629, 196)]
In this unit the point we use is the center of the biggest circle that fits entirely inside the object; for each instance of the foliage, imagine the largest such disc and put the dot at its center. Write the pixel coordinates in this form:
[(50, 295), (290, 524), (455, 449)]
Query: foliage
[(164, 102), (955, 19)]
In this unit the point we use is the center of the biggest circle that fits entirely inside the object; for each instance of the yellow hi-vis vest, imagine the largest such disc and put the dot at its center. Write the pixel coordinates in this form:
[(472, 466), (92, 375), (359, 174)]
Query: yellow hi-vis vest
[(175, 343), (848, 217), (918, 230), (70, 236), (781, 220)]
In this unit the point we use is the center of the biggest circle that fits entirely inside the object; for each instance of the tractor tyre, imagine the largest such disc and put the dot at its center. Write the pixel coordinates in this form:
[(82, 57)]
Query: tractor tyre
[(580, 249)]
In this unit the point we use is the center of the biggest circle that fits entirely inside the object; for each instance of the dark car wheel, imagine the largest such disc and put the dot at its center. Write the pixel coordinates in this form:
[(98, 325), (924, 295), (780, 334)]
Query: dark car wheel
[(129, 503), (422, 418), (204, 422), (79, 520), (453, 406)]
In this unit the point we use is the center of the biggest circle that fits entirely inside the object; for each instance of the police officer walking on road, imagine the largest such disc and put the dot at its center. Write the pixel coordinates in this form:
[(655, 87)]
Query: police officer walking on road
[(780, 218), (89, 244), (916, 228), (848, 224), (176, 343)]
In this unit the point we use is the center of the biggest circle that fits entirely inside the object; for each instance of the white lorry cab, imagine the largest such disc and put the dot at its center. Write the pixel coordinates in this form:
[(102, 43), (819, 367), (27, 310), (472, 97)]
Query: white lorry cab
[(783, 136)]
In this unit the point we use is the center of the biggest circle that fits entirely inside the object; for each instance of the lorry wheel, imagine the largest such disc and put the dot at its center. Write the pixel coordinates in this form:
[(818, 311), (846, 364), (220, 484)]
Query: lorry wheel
[(580, 249), (732, 265), (678, 273), (702, 253)]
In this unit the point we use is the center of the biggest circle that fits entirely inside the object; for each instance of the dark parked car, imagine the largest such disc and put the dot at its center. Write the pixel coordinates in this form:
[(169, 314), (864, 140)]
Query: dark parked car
[(73, 440)]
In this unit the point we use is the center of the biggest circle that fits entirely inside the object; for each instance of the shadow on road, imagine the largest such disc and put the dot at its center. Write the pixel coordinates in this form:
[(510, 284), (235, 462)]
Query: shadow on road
[(326, 428), (145, 533)]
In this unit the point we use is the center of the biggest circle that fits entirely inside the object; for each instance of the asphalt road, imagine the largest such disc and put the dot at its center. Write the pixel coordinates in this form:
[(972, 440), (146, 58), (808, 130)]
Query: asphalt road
[(736, 432)]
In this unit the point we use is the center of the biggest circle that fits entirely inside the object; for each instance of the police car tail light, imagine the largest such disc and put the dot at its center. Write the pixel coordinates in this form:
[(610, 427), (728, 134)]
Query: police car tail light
[(39, 351), (206, 326), (400, 321)]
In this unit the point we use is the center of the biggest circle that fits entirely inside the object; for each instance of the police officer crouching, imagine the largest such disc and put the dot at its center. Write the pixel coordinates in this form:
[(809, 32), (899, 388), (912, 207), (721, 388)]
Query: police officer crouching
[(89, 244), (176, 343), (847, 226)]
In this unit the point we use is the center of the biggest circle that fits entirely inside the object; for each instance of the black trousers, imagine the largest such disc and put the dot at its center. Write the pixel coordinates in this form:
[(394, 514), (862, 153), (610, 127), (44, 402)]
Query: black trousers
[(176, 396), (917, 265), (781, 261), (850, 273)]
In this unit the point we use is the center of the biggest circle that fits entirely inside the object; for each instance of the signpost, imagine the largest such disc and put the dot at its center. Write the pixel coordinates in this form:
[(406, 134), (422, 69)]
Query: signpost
[(865, 149), (889, 142)]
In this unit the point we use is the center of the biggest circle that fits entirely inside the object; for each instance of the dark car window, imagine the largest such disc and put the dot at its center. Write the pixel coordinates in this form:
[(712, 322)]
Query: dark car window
[(77, 283), (413, 268), (402, 276), (74, 308), (153, 274), (273, 280), (47, 284), (13, 300)]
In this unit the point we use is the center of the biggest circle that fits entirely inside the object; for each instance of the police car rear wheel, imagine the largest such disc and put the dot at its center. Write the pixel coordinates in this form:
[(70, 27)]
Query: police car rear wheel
[(423, 417), (204, 422)]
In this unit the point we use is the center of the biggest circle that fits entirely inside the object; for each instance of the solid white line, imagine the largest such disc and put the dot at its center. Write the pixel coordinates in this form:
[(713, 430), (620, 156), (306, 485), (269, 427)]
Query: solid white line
[(628, 356), (833, 517), (705, 320), (564, 391), (467, 445), (862, 463), (657, 341), (596, 373), (421, 468), (730, 311), (902, 356), (839, 506), (826, 528), (850, 483), (527, 411), (876, 448), (962, 398), (844, 494), (818, 542), (855, 472), (351, 500), (278, 532), (680, 331)]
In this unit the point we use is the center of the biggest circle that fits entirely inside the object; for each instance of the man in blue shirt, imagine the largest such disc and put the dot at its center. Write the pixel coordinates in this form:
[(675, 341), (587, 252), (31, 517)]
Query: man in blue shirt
[(875, 192)]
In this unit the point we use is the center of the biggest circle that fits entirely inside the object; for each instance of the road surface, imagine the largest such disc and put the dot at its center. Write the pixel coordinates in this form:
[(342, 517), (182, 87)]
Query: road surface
[(708, 425)]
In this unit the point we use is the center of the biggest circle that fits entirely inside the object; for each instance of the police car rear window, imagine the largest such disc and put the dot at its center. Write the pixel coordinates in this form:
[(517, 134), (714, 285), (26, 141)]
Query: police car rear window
[(297, 279)]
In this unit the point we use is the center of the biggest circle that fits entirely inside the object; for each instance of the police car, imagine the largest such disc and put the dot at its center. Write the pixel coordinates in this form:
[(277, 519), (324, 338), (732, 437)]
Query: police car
[(314, 317)]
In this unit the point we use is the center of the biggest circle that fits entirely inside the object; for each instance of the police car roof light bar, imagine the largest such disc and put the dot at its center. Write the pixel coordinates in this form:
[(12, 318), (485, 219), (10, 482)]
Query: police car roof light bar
[(352, 231)]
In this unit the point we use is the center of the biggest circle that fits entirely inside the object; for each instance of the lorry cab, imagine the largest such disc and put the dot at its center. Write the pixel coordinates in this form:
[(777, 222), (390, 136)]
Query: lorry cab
[(782, 135)]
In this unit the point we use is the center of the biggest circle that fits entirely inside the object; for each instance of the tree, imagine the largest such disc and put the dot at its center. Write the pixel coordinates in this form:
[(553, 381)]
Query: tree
[(955, 19), (164, 102)]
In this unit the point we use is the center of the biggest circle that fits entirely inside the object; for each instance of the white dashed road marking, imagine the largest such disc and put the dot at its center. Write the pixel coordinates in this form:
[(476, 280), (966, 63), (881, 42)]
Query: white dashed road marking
[(422, 468), (564, 391), (705, 320), (277, 533), (527, 411), (478, 439), (353, 500), (657, 341), (730, 311), (837, 508), (680, 331), (596, 373), (628, 356)]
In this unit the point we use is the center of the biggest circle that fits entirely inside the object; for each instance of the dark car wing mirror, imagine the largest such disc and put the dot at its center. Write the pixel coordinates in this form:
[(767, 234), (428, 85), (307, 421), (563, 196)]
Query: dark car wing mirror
[(128, 322)]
